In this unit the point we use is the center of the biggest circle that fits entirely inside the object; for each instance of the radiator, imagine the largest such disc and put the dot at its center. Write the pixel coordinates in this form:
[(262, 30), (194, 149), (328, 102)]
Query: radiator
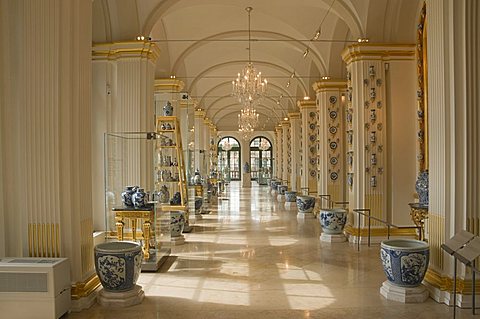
[(34, 287)]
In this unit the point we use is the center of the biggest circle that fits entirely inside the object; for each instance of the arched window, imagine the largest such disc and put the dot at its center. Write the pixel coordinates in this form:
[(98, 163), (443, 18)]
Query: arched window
[(229, 155), (261, 159)]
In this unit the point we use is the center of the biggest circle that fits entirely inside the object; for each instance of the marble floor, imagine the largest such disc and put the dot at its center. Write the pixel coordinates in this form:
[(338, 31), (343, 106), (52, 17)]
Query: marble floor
[(251, 258)]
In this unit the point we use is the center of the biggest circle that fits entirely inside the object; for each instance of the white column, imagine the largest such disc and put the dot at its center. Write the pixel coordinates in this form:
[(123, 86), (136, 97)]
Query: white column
[(123, 81), (309, 145), (295, 127), (199, 139), (453, 119), (286, 152), (381, 116), (278, 152), (331, 138), (46, 125)]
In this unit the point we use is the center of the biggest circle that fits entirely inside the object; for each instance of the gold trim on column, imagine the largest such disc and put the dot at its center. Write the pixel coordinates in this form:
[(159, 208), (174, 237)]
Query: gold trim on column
[(306, 104), (422, 93), (379, 231), (116, 50), (329, 84), (43, 240), (375, 51), (295, 115), (168, 85), (85, 288)]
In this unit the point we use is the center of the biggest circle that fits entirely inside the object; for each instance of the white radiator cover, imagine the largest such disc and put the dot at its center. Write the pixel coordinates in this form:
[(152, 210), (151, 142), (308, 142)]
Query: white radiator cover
[(34, 288)]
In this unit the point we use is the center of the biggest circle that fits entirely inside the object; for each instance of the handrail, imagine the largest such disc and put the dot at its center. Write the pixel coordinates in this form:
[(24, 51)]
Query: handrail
[(361, 211), (326, 197)]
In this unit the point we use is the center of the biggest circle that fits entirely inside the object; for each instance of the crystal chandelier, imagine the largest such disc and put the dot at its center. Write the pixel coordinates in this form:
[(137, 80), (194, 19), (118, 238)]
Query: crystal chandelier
[(248, 118), (226, 146), (249, 86), (264, 145)]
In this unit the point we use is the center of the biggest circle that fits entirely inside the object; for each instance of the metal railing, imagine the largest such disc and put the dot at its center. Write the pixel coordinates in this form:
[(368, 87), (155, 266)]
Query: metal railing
[(361, 211)]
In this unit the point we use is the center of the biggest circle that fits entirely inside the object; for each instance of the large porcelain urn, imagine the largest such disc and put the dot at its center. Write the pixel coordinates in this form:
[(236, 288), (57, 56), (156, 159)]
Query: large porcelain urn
[(118, 265), (405, 262), (333, 220)]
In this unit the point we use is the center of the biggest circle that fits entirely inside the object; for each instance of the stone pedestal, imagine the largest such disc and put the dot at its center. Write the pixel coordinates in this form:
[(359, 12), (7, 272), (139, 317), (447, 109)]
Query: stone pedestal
[(281, 198), (305, 216), (404, 294), (333, 238), (121, 299), (179, 240), (156, 260)]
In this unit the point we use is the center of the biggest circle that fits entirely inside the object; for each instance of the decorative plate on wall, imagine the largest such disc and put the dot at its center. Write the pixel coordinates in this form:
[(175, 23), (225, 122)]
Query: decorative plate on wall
[(312, 114), (333, 114), (312, 149), (333, 176), (333, 99), (333, 145), (313, 138), (333, 160), (332, 129), (313, 161), (313, 173), (312, 126)]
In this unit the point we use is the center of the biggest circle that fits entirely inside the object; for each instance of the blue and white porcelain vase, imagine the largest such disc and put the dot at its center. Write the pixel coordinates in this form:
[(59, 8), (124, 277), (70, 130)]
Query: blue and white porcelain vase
[(168, 109), (282, 189), (197, 178), (118, 265), (176, 199), (127, 196), (405, 261), (198, 203), (177, 223), (164, 195), (333, 220), (305, 204), (139, 198), (421, 186), (291, 196)]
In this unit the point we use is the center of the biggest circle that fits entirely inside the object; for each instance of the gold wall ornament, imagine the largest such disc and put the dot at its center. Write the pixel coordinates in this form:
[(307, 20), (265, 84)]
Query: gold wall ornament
[(422, 92)]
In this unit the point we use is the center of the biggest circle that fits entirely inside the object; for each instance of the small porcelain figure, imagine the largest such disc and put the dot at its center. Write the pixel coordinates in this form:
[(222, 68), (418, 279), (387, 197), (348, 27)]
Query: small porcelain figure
[(168, 109), (373, 181), (373, 137), (373, 115), (371, 70), (373, 159), (373, 94), (139, 198)]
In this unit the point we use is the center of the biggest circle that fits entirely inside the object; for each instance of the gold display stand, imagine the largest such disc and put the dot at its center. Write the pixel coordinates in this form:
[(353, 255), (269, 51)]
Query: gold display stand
[(419, 214), (169, 143), (146, 214)]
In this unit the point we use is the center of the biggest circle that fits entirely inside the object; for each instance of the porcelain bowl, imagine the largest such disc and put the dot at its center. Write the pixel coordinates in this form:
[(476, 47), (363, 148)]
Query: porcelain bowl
[(405, 261)]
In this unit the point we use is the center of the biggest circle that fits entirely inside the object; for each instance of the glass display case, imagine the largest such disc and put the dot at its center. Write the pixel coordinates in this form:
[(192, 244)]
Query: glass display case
[(133, 210)]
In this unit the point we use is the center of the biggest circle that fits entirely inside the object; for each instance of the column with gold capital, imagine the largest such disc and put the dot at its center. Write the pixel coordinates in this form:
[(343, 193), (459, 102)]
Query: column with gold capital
[(308, 113), (331, 138), (381, 140), (200, 140), (278, 153), (286, 152), (123, 77), (295, 136)]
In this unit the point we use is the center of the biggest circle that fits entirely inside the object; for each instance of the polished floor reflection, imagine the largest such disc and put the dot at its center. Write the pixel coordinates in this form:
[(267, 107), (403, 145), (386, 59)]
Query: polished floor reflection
[(251, 258)]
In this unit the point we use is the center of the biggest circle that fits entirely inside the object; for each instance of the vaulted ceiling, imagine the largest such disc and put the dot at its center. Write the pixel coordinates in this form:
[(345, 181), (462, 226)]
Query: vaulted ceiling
[(204, 43)]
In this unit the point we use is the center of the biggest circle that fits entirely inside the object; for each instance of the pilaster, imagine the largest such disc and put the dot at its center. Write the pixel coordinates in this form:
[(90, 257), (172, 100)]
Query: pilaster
[(309, 145), (381, 130), (200, 140), (46, 129), (331, 154), (286, 153), (295, 136), (278, 152)]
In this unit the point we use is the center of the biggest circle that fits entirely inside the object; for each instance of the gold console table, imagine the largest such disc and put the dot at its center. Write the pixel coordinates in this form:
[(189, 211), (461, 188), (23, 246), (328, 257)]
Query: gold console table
[(419, 213), (146, 214)]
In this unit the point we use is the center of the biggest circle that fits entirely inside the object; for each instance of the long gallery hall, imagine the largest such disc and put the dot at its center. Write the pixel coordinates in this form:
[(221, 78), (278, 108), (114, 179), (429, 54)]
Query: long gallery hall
[(252, 258)]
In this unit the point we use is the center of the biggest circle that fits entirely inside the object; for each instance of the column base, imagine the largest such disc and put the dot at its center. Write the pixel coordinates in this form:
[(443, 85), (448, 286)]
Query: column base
[(305, 216), (179, 240), (333, 238), (121, 299), (404, 294), (281, 198)]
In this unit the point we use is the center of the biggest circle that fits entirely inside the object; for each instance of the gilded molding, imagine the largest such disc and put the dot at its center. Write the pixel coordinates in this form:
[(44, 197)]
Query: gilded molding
[(377, 232), (422, 93), (200, 114), (302, 104), (168, 85), (118, 50), (324, 85), (375, 51), (85, 288), (295, 115)]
